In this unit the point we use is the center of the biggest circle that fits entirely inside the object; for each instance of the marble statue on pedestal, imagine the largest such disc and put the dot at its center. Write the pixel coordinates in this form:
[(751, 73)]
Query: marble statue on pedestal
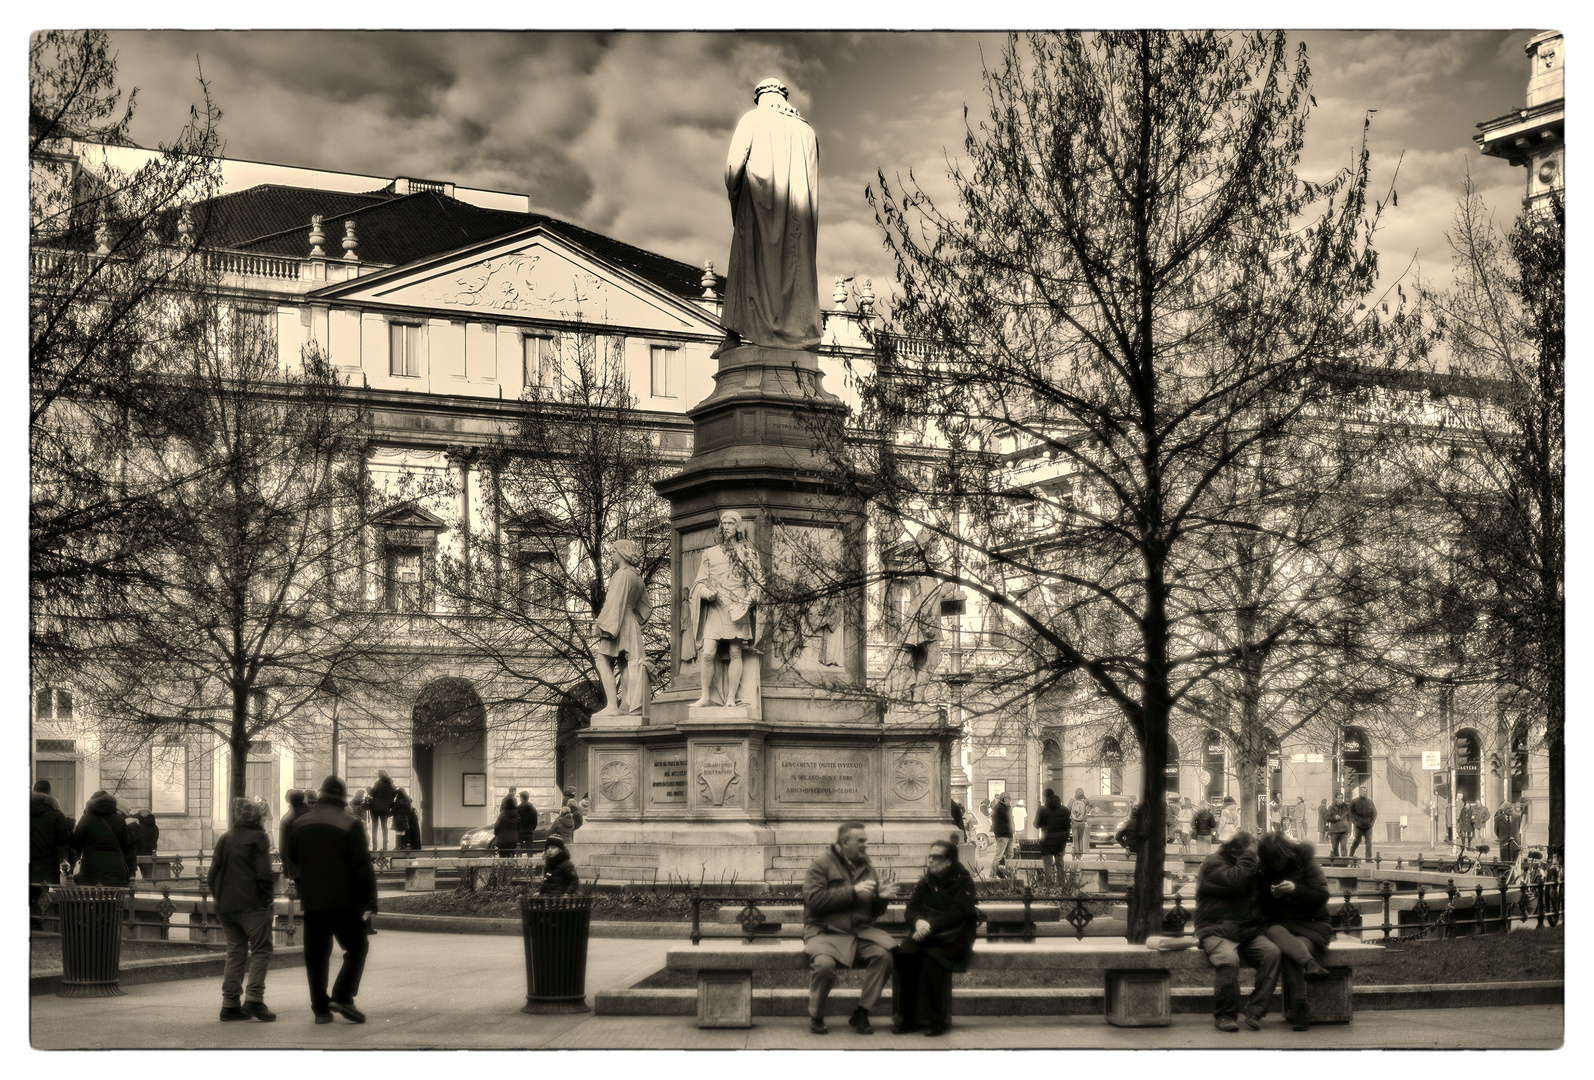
[(772, 177), (921, 639), (723, 609), (617, 633)]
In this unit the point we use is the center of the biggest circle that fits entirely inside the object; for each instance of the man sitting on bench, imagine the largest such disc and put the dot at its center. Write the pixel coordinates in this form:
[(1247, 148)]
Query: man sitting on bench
[(1230, 928), (842, 898)]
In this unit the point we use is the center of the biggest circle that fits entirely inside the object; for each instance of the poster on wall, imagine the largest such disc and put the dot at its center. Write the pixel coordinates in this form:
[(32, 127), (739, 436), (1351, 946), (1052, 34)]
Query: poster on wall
[(475, 789)]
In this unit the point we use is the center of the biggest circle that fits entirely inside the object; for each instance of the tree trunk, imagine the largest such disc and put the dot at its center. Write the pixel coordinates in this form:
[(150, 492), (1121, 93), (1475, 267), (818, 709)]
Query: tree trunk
[(238, 747)]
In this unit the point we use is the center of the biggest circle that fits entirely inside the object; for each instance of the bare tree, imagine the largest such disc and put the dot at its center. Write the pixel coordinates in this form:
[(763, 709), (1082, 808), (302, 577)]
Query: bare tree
[(1136, 297), (106, 251)]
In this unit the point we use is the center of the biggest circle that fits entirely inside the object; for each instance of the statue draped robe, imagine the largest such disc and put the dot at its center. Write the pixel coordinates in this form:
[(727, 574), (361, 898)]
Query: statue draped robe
[(772, 177), (619, 630)]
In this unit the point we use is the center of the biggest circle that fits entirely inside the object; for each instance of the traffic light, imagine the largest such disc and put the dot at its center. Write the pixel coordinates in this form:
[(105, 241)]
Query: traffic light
[(1494, 763)]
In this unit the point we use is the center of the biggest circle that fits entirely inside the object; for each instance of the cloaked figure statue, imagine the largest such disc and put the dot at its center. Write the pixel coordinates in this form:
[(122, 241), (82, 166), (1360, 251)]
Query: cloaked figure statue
[(772, 177)]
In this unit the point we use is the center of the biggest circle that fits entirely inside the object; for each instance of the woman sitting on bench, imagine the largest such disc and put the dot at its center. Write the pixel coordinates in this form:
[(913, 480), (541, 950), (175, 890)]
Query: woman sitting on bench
[(1295, 903), (941, 917)]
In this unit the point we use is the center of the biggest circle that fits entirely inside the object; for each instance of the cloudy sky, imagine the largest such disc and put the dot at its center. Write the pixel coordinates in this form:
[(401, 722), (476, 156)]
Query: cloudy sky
[(626, 133)]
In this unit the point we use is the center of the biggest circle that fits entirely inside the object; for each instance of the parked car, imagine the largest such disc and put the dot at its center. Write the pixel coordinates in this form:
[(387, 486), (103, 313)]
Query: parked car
[(1103, 816), (479, 842)]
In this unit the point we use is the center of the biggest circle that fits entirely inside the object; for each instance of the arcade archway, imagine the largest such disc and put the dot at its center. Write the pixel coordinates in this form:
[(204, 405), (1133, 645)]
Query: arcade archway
[(449, 751)]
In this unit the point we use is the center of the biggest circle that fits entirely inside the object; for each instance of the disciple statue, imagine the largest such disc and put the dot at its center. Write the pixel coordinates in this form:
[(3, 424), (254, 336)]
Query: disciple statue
[(772, 177), (921, 637), (617, 633), (723, 608)]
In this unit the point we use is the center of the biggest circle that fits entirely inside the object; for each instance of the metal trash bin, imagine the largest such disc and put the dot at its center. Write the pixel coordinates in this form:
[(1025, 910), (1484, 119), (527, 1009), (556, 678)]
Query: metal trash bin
[(554, 930), (1394, 830), (91, 940)]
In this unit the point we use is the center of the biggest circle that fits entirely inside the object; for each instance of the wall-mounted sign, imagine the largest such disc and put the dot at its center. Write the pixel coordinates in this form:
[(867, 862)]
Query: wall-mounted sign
[(996, 751), (1430, 759), (1314, 759), (474, 787)]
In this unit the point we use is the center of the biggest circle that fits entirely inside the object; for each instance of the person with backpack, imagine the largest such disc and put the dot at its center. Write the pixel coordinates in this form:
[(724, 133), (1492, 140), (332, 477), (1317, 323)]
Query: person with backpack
[(243, 883), (1204, 823), (1078, 810)]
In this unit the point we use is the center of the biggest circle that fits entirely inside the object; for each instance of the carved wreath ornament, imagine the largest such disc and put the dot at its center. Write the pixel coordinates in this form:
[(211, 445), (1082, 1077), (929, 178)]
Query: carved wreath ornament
[(616, 781), (910, 779)]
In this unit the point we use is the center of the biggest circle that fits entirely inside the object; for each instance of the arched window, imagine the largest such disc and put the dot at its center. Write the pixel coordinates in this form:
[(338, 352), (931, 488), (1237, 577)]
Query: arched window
[(1052, 764), (1469, 764), (1112, 767), (1171, 770)]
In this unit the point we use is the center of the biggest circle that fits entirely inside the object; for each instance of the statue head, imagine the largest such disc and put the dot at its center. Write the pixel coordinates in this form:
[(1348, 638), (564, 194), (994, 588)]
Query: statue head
[(626, 551), (770, 86), (734, 520)]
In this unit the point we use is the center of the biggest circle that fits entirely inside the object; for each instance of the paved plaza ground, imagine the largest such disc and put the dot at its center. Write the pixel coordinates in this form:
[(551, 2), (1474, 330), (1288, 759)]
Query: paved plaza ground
[(465, 992)]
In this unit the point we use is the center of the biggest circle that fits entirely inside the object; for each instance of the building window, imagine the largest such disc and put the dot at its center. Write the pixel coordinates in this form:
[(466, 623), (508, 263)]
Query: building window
[(539, 575), (663, 367), (539, 363), (404, 579), (53, 704), (404, 350)]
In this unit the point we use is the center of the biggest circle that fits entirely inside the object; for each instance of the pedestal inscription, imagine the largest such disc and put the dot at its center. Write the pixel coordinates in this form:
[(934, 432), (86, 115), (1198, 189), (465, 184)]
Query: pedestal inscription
[(667, 777), (716, 776), (823, 775)]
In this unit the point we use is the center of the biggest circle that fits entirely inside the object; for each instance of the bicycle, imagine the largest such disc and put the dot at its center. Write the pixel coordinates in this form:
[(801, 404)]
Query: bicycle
[(1463, 862)]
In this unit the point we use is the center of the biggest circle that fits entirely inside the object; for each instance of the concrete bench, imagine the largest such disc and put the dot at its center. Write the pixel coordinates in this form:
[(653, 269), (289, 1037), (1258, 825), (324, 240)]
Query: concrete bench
[(420, 875), (1137, 980), (1000, 914)]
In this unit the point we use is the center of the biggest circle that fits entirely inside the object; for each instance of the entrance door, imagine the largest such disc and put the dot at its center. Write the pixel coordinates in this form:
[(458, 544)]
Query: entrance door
[(260, 782), (63, 783)]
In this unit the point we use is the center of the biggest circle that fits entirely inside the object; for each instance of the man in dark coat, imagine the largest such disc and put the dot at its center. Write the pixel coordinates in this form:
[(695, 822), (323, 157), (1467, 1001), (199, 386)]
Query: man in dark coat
[(380, 804), (49, 843), (1001, 831), (1054, 821), (106, 849), (337, 887), (242, 881), (942, 921), (297, 808), (958, 818), (842, 898), (1338, 824), (527, 814), (1230, 928), (149, 834), (1362, 816)]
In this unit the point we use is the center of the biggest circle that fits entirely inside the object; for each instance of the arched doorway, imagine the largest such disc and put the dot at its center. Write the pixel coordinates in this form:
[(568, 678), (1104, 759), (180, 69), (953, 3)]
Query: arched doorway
[(1171, 770), (1212, 767), (1112, 767), (1469, 764), (1052, 765), (575, 714), (449, 744), (1355, 761)]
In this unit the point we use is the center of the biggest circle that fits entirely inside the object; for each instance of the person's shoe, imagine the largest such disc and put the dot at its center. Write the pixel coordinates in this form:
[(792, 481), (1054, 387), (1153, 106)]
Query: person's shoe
[(347, 1010), (1227, 1023), (933, 1030), (1314, 971), (816, 1026), (903, 1027), (1252, 1022), (233, 1012), (1299, 1021), (323, 1018), (860, 1021), (258, 1010)]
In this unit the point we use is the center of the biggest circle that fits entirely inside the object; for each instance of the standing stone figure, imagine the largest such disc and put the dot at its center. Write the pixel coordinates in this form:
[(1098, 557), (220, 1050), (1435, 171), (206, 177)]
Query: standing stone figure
[(722, 606), (772, 177), (617, 633), (921, 637)]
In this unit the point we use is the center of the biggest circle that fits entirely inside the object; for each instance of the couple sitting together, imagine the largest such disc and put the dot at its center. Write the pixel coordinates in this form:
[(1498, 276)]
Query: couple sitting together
[(842, 898)]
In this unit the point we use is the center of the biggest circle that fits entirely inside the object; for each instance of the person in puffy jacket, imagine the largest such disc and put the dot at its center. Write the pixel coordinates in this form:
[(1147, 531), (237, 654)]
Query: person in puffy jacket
[(941, 921), (506, 833), (527, 815), (402, 805), (1231, 929), (244, 885), (380, 802), (101, 837), (1295, 904), (149, 834), (558, 872), (1363, 813), (1338, 824), (1054, 822), (1001, 831), (49, 843), (564, 826)]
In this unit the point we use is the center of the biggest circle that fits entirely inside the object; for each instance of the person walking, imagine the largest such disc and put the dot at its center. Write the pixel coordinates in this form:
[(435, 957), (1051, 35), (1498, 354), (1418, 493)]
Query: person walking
[(940, 917), (842, 898), (297, 808), (1363, 813), (1298, 816), (1001, 833), (1078, 811), (1464, 824), (526, 817), (1230, 929), (103, 844), (1054, 822), (49, 844), (1295, 904), (559, 876), (1339, 824), (337, 888), (243, 883), (380, 803), (1204, 825)]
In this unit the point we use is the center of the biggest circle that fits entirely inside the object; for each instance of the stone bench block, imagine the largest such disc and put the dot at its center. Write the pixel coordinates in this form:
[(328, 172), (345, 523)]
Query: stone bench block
[(1139, 997), (420, 879), (725, 999)]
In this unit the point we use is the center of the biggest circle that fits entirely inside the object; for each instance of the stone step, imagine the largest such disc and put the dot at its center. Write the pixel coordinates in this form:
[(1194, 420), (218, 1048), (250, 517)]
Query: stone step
[(636, 859)]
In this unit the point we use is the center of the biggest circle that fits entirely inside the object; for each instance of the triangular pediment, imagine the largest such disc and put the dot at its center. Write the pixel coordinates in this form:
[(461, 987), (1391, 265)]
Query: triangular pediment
[(410, 516), (534, 274)]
